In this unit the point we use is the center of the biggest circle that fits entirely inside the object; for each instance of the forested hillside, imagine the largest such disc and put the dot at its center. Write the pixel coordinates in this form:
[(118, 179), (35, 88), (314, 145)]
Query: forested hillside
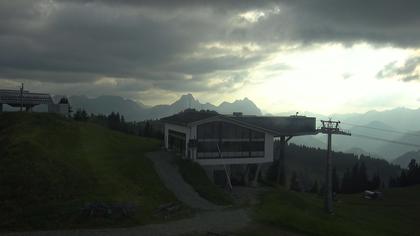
[(309, 164)]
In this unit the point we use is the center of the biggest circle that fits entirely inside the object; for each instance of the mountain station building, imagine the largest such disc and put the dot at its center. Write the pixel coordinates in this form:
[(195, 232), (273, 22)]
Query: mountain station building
[(26, 100), (231, 142)]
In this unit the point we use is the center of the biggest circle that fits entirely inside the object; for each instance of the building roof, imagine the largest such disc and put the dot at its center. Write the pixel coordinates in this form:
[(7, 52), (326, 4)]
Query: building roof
[(14, 98), (189, 116), (281, 125), (276, 125)]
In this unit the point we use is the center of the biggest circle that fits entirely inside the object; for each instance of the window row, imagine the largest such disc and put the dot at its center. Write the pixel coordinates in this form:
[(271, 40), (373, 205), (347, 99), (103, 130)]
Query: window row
[(225, 130), (244, 146), (229, 155)]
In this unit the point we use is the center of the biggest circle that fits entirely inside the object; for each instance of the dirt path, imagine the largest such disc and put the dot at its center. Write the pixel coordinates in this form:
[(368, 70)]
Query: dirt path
[(172, 179)]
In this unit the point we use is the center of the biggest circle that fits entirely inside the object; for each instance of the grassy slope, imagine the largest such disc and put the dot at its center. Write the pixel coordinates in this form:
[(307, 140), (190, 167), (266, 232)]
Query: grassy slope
[(396, 214), (50, 167), (194, 174)]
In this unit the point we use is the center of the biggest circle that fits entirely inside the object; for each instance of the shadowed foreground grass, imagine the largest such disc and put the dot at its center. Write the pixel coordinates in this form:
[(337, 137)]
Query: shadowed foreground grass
[(396, 214), (50, 167)]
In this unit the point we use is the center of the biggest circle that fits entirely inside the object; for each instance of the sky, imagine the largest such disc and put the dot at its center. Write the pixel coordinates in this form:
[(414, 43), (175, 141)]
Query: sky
[(319, 56)]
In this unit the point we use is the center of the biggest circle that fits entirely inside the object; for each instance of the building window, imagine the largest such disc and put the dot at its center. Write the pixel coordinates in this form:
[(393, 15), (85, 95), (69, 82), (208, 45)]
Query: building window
[(208, 130), (233, 141), (176, 141), (207, 147)]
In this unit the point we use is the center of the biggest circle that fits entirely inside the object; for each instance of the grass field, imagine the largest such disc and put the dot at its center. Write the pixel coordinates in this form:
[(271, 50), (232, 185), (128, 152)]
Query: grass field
[(51, 166), (194, 174), (398, 213)]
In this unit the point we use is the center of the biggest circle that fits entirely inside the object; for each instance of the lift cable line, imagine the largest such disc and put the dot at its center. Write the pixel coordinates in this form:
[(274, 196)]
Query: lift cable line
[(330, 127), (384, 130), (385, 140)]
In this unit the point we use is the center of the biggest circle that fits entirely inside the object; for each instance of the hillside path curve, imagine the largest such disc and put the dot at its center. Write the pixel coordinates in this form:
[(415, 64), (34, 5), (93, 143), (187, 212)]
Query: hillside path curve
[(167, 170)]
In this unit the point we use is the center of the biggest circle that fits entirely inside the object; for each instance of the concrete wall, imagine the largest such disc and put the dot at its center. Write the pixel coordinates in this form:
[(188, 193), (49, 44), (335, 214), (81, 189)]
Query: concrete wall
[(62, 109), (269, 147)]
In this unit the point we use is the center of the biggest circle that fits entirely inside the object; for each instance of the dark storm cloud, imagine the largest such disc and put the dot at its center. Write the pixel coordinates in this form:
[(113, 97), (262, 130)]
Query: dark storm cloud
[(80, 39), (382, 21), (205, 82), (220, 63), (407, 72), (160, 43), (376, 21), (348, 22), (82, 42), (220, 5)]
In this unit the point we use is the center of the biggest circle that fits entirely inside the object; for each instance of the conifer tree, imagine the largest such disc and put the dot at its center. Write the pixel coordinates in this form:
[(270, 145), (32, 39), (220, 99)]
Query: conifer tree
[(315, 187), (294, 183)]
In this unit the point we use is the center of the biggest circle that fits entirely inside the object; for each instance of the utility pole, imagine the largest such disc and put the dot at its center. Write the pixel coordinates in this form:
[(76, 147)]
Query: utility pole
[(330, 127)]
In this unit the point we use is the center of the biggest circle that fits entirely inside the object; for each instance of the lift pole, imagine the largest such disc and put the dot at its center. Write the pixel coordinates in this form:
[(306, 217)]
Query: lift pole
[(21, 97), (281, 167), (330, 127)]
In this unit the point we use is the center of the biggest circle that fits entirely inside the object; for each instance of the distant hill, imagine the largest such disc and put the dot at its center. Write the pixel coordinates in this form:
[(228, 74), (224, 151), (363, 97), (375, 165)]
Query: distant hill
[(50, 167), (107, 104), (390, 151), (394, 125), (405, 158), (138, 112), (184, 102), (310, 141), (401, 118), (245, 106), (358, 151), (376, 137), (358, 139)]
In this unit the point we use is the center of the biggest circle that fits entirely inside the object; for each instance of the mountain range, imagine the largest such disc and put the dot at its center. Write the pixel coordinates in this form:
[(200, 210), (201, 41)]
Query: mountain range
[(385, 134), (134, 111)]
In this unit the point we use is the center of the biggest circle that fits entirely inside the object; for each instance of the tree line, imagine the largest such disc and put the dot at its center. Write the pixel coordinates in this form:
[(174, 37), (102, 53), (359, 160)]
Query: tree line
[(305, 170), (116, 121), (354, 180), (408, 177)]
